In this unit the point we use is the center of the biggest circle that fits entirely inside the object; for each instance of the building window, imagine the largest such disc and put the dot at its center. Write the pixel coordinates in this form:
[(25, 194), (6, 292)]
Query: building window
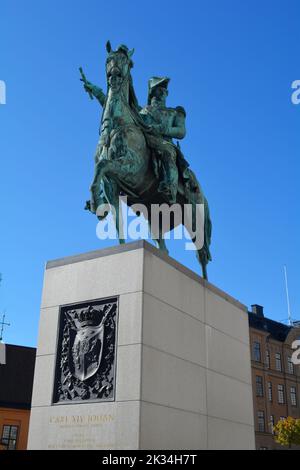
[(293, 396), (272, 423), (9, 437), (281, 394), (259, 386), (290, 365), (270, 391), (268, 359), (278, 361), (261, 421), (256, 351)]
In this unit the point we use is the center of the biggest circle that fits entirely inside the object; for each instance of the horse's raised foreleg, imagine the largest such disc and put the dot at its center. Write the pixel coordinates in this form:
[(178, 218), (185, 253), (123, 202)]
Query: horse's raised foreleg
[(113, 169), (96, 199)]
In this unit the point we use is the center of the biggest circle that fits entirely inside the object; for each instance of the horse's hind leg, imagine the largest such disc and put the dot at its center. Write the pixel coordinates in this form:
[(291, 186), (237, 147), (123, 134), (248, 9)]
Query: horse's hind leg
[(157, 234), (202, 258), (162, 245), (112, 195), (160, 242), (190, 221)]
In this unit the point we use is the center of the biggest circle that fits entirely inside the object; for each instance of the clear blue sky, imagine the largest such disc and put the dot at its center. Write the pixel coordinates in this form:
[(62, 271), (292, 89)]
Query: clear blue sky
[(232, 64)]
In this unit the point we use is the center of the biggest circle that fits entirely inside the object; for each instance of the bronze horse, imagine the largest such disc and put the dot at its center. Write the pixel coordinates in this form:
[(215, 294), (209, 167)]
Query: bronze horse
[(124, 160)]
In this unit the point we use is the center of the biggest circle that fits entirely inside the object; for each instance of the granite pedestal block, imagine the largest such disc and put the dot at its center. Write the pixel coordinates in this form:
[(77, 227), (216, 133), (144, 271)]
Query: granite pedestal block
[(135, 351)]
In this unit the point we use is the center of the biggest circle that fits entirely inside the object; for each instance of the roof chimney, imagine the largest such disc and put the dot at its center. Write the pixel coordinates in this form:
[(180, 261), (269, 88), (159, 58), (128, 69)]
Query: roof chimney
[(2, 354), (257, 310)]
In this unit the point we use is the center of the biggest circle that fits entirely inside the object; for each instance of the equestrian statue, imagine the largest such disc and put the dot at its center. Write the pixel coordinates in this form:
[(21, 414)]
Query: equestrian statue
[(137, 158)]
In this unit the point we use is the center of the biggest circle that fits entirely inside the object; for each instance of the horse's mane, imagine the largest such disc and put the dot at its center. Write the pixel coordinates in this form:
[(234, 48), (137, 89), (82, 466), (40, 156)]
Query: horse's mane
[(133, 101), (135, 107)]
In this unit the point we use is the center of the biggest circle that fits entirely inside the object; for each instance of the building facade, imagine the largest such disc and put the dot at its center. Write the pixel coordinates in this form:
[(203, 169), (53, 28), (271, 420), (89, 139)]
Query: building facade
[(275, 379), (16, 381)]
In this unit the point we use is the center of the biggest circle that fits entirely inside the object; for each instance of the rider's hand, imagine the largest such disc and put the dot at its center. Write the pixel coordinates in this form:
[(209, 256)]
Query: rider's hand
[(154, 128), (88, 87), (162, 129), (158, 129)]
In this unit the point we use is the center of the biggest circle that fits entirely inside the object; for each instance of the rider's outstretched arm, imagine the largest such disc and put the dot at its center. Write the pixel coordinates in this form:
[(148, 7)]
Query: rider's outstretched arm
[(91, 89), (98, 93)]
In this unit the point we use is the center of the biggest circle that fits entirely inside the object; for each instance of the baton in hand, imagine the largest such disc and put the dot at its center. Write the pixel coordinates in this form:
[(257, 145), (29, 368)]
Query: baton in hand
[(84, 80)]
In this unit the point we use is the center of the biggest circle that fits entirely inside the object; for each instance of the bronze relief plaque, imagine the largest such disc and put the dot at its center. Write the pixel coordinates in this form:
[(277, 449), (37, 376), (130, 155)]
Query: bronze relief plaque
[(86, 352)]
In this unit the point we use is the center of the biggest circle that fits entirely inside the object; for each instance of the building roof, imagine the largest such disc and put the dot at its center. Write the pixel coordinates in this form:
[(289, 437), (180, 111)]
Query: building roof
[(276, 330), (16, 377)]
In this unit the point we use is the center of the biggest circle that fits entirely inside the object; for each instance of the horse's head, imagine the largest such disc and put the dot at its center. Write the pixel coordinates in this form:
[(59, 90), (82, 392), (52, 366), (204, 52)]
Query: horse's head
[(118, 65)]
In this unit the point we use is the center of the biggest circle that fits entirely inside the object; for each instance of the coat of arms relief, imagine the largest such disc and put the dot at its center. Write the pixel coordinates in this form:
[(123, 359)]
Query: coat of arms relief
[(86, 350)]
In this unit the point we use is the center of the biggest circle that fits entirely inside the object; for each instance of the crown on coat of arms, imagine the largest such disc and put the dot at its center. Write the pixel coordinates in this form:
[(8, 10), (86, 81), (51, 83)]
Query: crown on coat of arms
[(87, 317)]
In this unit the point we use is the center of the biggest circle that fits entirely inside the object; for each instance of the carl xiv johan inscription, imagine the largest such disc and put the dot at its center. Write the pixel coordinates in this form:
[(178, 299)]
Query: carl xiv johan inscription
[(86, 352)]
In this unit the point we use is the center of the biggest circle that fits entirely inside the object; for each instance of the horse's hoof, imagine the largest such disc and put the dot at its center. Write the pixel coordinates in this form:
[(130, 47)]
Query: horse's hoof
[(101, 217), (89, 206)]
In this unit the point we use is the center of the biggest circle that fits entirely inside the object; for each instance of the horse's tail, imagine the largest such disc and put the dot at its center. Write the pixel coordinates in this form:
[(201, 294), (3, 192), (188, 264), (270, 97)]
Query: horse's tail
[(207, 230), (197, 196), (194, 195)]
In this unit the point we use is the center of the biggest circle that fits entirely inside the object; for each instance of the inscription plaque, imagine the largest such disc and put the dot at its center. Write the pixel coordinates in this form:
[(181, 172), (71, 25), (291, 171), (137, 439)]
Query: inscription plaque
[(86, 352)]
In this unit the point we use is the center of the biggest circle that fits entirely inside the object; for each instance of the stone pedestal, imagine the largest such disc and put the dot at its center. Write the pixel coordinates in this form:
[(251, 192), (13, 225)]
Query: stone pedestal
[(177, 347)]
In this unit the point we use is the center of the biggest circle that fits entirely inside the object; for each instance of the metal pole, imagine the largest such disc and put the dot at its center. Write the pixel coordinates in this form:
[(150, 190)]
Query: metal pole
[(287, 297), (2, 326)]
